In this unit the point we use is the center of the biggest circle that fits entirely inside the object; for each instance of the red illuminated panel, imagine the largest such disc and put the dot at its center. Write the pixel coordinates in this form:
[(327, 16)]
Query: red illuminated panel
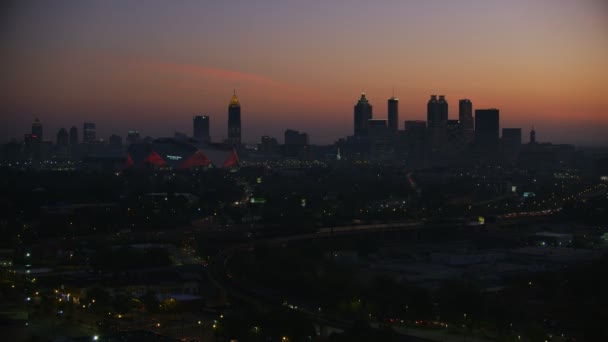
[(232, 160), (198, 159), (129, 160), (155, 159)]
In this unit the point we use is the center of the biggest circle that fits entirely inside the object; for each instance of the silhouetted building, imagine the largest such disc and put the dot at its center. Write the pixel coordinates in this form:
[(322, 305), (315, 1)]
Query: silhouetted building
[(486, 127), (532, 136), (89, 134), (381, 140), (31, 146), (293, 137), (511, 143), (437, 112), (63, 138), (181, 137), (467, 123), (437, 120), (133, 137), (61, 148), (415, 127), (511, 136), (393, 114), (363, 113), (73, 136), (268, 144), (37, 130), (296, 144), (200, 125), (465, 114), (415, 136), (234, 121), (115, 140), (454, 133)]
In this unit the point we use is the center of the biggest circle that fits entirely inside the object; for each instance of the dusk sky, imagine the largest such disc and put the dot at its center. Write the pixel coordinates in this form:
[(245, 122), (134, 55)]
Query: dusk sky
[(152, 65)]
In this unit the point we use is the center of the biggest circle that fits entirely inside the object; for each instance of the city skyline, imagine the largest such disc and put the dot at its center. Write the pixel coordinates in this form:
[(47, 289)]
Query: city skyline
[(401, 124), (152, 68)]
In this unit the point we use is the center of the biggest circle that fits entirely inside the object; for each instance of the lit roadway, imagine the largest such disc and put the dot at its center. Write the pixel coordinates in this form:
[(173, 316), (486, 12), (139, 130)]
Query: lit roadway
[(220, 278), (218, 273)]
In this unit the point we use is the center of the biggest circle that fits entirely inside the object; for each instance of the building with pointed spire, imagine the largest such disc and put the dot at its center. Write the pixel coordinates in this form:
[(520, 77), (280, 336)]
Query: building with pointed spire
[(532, 136), (234, 121), (363, 113)]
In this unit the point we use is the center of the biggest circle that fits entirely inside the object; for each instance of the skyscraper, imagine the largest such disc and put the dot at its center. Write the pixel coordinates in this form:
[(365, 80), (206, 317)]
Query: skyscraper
[(437, 120), (234, 121), (62, 138), (467, 124), (37, 130), (200, 126), (363, 113), (73, 136), (393, 114), (486, 127), (89, 132), (465, 114)]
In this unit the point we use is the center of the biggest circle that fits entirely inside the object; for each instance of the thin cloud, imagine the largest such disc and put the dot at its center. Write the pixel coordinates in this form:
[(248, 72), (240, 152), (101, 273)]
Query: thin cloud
[(205, 72)]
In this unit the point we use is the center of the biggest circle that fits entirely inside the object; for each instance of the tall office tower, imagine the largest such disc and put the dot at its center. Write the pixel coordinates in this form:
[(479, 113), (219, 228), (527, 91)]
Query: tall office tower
[(88, 132), (234, 121), (437, 120), (465, 114), (393, 114), (63, 138), (467, 125), (532, 136), (73, 136), (200, 124), (486, 127), (37, 130), (133, 137), (363, 113)]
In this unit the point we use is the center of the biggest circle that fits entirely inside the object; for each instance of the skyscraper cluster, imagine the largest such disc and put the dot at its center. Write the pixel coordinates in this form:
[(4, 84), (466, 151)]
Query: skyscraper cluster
[(201, 124)]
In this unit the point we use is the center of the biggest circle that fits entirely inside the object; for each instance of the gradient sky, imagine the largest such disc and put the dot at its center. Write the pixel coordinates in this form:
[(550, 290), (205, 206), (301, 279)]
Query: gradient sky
[(151, 65)]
